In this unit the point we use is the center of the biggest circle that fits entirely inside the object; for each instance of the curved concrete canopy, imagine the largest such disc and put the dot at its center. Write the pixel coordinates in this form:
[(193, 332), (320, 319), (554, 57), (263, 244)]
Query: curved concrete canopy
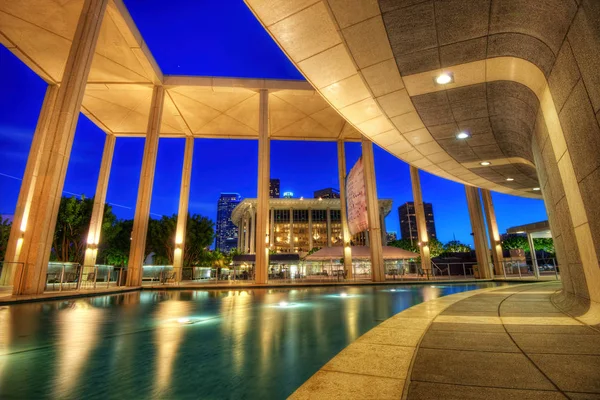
[(376, 61)]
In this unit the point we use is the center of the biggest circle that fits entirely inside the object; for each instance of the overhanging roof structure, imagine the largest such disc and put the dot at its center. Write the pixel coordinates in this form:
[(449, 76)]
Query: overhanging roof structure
[(119, 90), (376, 61), (357, 54)]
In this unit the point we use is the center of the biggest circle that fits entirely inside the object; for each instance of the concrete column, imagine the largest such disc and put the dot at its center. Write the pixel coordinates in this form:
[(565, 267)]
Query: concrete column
[(246, 234), (328, 227), (341, 151), (252, 232), (479, 236), (272, 229), (262, 203), (95, 229), (372, 212), (291, 230), (421, 221), (47, 189), (534, 263), (310, 230), (239, 236), (182, 213), (142, 207), (494, 235), (21, 215), (383, 228)]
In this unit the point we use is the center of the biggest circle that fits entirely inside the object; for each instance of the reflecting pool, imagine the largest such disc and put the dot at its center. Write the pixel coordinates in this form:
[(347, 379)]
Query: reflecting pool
[(209, 344)]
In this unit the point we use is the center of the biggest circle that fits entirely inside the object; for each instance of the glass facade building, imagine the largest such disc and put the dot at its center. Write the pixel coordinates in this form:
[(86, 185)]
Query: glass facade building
[(226, 232), (298, 225), (408, 221)]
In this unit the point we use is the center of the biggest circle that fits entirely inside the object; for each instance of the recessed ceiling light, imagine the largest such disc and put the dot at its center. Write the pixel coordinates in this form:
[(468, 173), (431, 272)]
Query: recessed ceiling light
[(462, 135), (536, 189), (485, 163), (444, 78), (510, 179)]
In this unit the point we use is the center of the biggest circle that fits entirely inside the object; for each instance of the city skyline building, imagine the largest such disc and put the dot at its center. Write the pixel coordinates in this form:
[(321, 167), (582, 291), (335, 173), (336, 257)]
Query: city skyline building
[(408, 221), (274, 188), (327, 193), (226, 233)]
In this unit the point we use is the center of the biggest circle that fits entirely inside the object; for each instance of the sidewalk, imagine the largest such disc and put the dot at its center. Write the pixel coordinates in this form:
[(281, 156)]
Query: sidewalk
[(507, 343)]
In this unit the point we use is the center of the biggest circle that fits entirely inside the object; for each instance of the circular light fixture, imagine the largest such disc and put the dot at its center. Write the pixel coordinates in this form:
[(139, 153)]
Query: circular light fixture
[(510, 179), (444, 79), (462, 135), (485, 163)]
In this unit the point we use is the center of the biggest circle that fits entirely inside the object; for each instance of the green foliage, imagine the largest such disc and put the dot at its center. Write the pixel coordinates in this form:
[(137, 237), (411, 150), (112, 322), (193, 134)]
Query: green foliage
[(5, 226), (546, 244), (515, 242), (115, 241), (455, 246), (72, 226), (435, 247), (405, 244)]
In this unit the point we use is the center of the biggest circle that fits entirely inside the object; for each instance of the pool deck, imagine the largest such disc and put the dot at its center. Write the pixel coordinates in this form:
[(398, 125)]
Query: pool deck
[(496, 343)]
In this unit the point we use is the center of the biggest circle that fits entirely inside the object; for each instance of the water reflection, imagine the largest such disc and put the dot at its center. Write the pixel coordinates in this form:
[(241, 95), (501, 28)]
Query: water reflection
[(259, 343)]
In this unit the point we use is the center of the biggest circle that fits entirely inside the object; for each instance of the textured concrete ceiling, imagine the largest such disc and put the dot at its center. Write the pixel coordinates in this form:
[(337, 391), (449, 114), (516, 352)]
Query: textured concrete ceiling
[(376, 60)]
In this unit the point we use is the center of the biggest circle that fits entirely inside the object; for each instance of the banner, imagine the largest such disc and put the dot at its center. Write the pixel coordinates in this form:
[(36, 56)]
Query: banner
[(356, 200)]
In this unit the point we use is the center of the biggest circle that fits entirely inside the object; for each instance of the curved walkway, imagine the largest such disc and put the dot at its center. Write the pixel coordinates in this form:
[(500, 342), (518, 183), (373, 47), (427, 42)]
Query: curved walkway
[(498, 343)]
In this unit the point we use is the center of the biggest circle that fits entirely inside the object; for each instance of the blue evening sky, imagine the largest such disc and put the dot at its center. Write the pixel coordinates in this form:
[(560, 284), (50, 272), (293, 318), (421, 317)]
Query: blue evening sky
[(216, 38)]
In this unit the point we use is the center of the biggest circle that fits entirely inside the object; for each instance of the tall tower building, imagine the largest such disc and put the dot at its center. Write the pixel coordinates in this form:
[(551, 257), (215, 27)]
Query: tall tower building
[(227, 232), (274, 185), (408, 221)]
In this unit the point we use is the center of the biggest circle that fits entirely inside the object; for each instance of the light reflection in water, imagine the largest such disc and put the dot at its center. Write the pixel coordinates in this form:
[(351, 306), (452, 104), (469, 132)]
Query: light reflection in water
[(80, 325), (169, 336)]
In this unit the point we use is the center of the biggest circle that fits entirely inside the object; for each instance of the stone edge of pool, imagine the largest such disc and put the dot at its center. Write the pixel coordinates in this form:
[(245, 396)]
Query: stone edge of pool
[(9, 299), (393, 343)]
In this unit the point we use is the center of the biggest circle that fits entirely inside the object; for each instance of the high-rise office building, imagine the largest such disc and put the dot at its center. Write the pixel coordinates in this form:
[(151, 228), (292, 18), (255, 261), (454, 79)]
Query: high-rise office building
[(274, 185), (328, 193), (408, 221), (227, 233)]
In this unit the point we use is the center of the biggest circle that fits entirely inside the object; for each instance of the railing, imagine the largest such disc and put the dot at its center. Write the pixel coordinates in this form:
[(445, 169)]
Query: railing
[(526, 269), (317, 271), (62, 276), (407, 270)]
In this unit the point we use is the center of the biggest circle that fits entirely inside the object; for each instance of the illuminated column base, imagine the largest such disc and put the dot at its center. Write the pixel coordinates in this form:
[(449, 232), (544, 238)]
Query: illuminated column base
[(21, 215), (262, 201), (494, 234), (420, 220), (56, 150), (95, 229), (479, 236), (142, 208), (341, 151), (182, 214), (377, 265)]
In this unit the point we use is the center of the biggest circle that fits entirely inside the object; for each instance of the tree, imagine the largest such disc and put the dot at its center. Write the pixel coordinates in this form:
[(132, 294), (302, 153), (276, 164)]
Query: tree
[(515, 242), (5, 226), (455, 246), (405, 244), (115, 243), (546, 244), (435, 247), (200, 233)]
